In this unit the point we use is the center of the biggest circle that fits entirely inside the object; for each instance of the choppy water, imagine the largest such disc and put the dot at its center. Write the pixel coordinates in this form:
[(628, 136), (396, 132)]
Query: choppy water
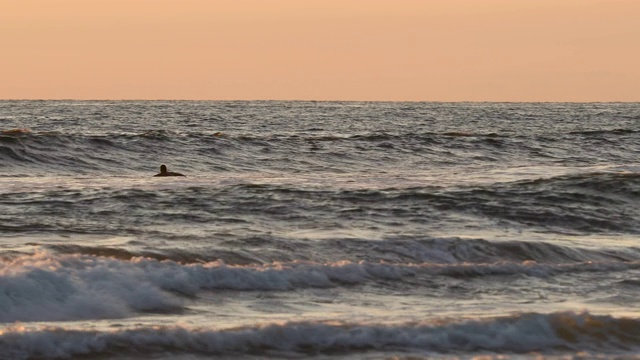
[(319, 229)]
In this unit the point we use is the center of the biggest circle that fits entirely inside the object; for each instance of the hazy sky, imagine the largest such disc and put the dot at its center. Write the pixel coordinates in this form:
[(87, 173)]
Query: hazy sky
[(431, 50)]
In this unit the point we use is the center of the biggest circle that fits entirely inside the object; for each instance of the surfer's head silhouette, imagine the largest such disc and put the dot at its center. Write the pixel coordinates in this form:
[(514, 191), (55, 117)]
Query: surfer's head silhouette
[(164, 172)]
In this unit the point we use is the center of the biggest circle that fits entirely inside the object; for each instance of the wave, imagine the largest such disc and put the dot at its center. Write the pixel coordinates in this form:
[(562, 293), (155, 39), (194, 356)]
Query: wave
[(589, 202), (37, 144), (594, 202), (400, 250), (575, 204), (106, 151), (54, 139), (48, 287), (457, 250), (598, 133), (528, 333)]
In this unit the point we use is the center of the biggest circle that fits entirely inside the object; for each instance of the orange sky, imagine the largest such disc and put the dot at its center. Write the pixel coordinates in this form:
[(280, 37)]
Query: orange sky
[(425, 50)]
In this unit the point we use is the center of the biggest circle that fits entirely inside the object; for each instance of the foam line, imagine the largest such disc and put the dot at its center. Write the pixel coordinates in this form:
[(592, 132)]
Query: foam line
[(518, 334), (50, 287)]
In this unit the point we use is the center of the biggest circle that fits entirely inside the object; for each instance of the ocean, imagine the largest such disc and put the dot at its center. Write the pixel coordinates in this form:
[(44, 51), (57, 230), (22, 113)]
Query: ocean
[(319, 230)]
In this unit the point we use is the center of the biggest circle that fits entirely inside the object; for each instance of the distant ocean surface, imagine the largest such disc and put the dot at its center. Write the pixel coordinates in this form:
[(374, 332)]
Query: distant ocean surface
[(322, 230)]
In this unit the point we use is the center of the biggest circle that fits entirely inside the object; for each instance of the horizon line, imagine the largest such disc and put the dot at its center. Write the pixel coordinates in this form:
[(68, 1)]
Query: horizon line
[(335, 100)]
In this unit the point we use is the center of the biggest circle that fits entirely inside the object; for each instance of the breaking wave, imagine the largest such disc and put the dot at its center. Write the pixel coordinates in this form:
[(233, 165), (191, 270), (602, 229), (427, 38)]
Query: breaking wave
[(49, 287), (551, 334)]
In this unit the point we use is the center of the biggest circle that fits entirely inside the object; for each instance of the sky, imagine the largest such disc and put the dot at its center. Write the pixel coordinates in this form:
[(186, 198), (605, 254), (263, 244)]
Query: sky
[(388, 50)]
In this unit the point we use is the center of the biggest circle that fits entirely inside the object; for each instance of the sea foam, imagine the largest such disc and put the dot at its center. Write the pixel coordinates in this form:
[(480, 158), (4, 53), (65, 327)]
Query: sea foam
[(53, 287), (517, 334)]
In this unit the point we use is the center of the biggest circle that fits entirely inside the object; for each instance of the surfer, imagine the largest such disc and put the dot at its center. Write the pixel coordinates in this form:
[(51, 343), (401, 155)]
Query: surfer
[(164, 172)]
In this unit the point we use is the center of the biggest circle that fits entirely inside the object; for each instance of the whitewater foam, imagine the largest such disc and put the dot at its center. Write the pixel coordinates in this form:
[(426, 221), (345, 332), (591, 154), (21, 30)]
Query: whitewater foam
[(50, 287), (517, 334)]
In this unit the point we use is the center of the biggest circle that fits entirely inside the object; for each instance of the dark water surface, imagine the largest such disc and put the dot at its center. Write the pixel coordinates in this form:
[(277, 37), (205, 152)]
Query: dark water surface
[(319, 230)]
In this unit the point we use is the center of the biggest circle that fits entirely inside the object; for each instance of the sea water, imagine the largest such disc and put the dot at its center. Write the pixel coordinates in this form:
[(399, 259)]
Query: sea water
[(319, 230)]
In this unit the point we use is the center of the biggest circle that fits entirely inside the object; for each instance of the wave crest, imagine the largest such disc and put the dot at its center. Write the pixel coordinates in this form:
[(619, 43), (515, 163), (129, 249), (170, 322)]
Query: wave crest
[(553, 334), (46, 287)]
